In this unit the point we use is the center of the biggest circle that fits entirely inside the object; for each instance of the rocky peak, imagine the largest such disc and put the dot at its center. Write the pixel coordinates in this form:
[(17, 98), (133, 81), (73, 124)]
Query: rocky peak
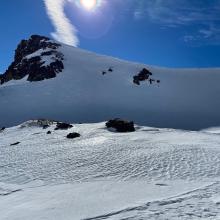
[(38, 58)]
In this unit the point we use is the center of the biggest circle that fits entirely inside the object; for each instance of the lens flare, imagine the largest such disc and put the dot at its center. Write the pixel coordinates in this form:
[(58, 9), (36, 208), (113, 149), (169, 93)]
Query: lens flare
[(88, 4)]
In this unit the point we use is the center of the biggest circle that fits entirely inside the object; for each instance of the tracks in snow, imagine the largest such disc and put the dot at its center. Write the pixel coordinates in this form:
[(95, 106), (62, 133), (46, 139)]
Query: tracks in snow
[(202, 203)]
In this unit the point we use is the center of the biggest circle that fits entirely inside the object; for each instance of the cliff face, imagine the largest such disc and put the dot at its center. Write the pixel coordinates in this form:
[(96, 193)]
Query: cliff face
[(37, 58)]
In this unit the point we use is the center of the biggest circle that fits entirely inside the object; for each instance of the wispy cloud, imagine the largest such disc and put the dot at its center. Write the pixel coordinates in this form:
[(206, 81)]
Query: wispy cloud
[(65, 32), (204, 16)]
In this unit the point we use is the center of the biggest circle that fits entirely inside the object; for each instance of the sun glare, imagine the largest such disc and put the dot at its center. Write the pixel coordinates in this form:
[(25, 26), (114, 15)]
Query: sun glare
[(88, 4)]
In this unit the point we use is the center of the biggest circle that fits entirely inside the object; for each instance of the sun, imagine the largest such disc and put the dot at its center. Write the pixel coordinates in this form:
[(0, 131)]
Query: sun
[(88, 4)]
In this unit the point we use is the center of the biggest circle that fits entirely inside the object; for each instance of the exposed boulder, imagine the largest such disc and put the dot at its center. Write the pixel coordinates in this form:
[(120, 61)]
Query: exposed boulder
[(16, 143), (2, 129), (73, 135), (143, 75), (110, 69), (63, 126), (49, 132), (121, 125), (30, 60)]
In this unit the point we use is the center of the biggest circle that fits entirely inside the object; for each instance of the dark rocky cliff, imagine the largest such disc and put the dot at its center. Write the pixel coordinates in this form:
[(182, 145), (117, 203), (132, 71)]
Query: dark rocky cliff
[(37, 58)]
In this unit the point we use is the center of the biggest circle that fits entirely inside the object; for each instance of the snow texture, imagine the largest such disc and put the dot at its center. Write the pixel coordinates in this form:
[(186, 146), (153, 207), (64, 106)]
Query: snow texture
[(148, 174)]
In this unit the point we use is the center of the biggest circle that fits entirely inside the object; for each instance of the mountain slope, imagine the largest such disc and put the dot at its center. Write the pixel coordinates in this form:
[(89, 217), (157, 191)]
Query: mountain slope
[(86, 91)]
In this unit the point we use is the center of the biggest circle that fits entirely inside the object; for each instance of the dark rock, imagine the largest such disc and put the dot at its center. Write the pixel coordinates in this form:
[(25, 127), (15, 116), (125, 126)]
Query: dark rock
[(121, 125), (143, 75), (158, 81), (49, 132), (151, 81), (110, 69), (63, 126), (45, 126), (73, 135), (2, 129), (47, 53), (103, 73), (44, 123), (161, 184), (15, 143), (34, 67)]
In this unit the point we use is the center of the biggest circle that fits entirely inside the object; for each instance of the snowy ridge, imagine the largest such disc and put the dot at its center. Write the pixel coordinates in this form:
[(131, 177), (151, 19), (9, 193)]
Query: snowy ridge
[(184, 98)]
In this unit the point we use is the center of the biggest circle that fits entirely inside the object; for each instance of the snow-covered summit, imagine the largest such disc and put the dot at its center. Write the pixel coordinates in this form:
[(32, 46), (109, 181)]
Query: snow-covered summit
[(92, 88)]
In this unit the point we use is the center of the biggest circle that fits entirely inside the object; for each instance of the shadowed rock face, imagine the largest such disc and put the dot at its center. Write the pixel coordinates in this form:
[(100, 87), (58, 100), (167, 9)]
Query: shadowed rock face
[(121, 125), (73, 135), (63, 126), (36, 58), (144, 75)]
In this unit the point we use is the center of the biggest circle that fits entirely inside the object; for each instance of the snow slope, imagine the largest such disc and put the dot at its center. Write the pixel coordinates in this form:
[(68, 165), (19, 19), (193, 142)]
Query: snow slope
[(149, 174), (185, 98)]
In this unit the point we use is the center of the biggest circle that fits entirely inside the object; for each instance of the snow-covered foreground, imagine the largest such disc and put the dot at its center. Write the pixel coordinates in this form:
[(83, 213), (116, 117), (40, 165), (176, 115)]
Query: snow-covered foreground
[(149, 174)]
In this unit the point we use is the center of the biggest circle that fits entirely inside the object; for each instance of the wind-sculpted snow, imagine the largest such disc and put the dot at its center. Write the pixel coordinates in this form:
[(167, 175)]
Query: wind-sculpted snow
[(197, 204), (150, 154), (147, 174)]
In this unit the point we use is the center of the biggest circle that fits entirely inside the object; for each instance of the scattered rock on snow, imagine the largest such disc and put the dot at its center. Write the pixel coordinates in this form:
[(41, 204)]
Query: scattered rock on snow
[(2, 129), (16, 143), (73, 135), (143, 75), (49, 132), (121, 125), (161, 184), (63, 126), (110, 69)]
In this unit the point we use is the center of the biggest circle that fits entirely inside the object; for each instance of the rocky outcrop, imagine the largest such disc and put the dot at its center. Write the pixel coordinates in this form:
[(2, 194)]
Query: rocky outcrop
[(121, 125), (37, 58), (63, 126), (144, 75), (73, 135), (43, 123)]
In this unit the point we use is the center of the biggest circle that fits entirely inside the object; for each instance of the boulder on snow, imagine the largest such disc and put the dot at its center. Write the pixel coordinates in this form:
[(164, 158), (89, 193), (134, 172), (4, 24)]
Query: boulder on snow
[(63, 126), (2, 129), (73, 135), (143, 75), (121, 125), (16, 143), (49, 132), (110, 69)]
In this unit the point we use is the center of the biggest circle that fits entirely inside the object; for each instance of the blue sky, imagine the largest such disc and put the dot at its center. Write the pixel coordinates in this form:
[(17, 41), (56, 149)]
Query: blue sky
[(173, 33)]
